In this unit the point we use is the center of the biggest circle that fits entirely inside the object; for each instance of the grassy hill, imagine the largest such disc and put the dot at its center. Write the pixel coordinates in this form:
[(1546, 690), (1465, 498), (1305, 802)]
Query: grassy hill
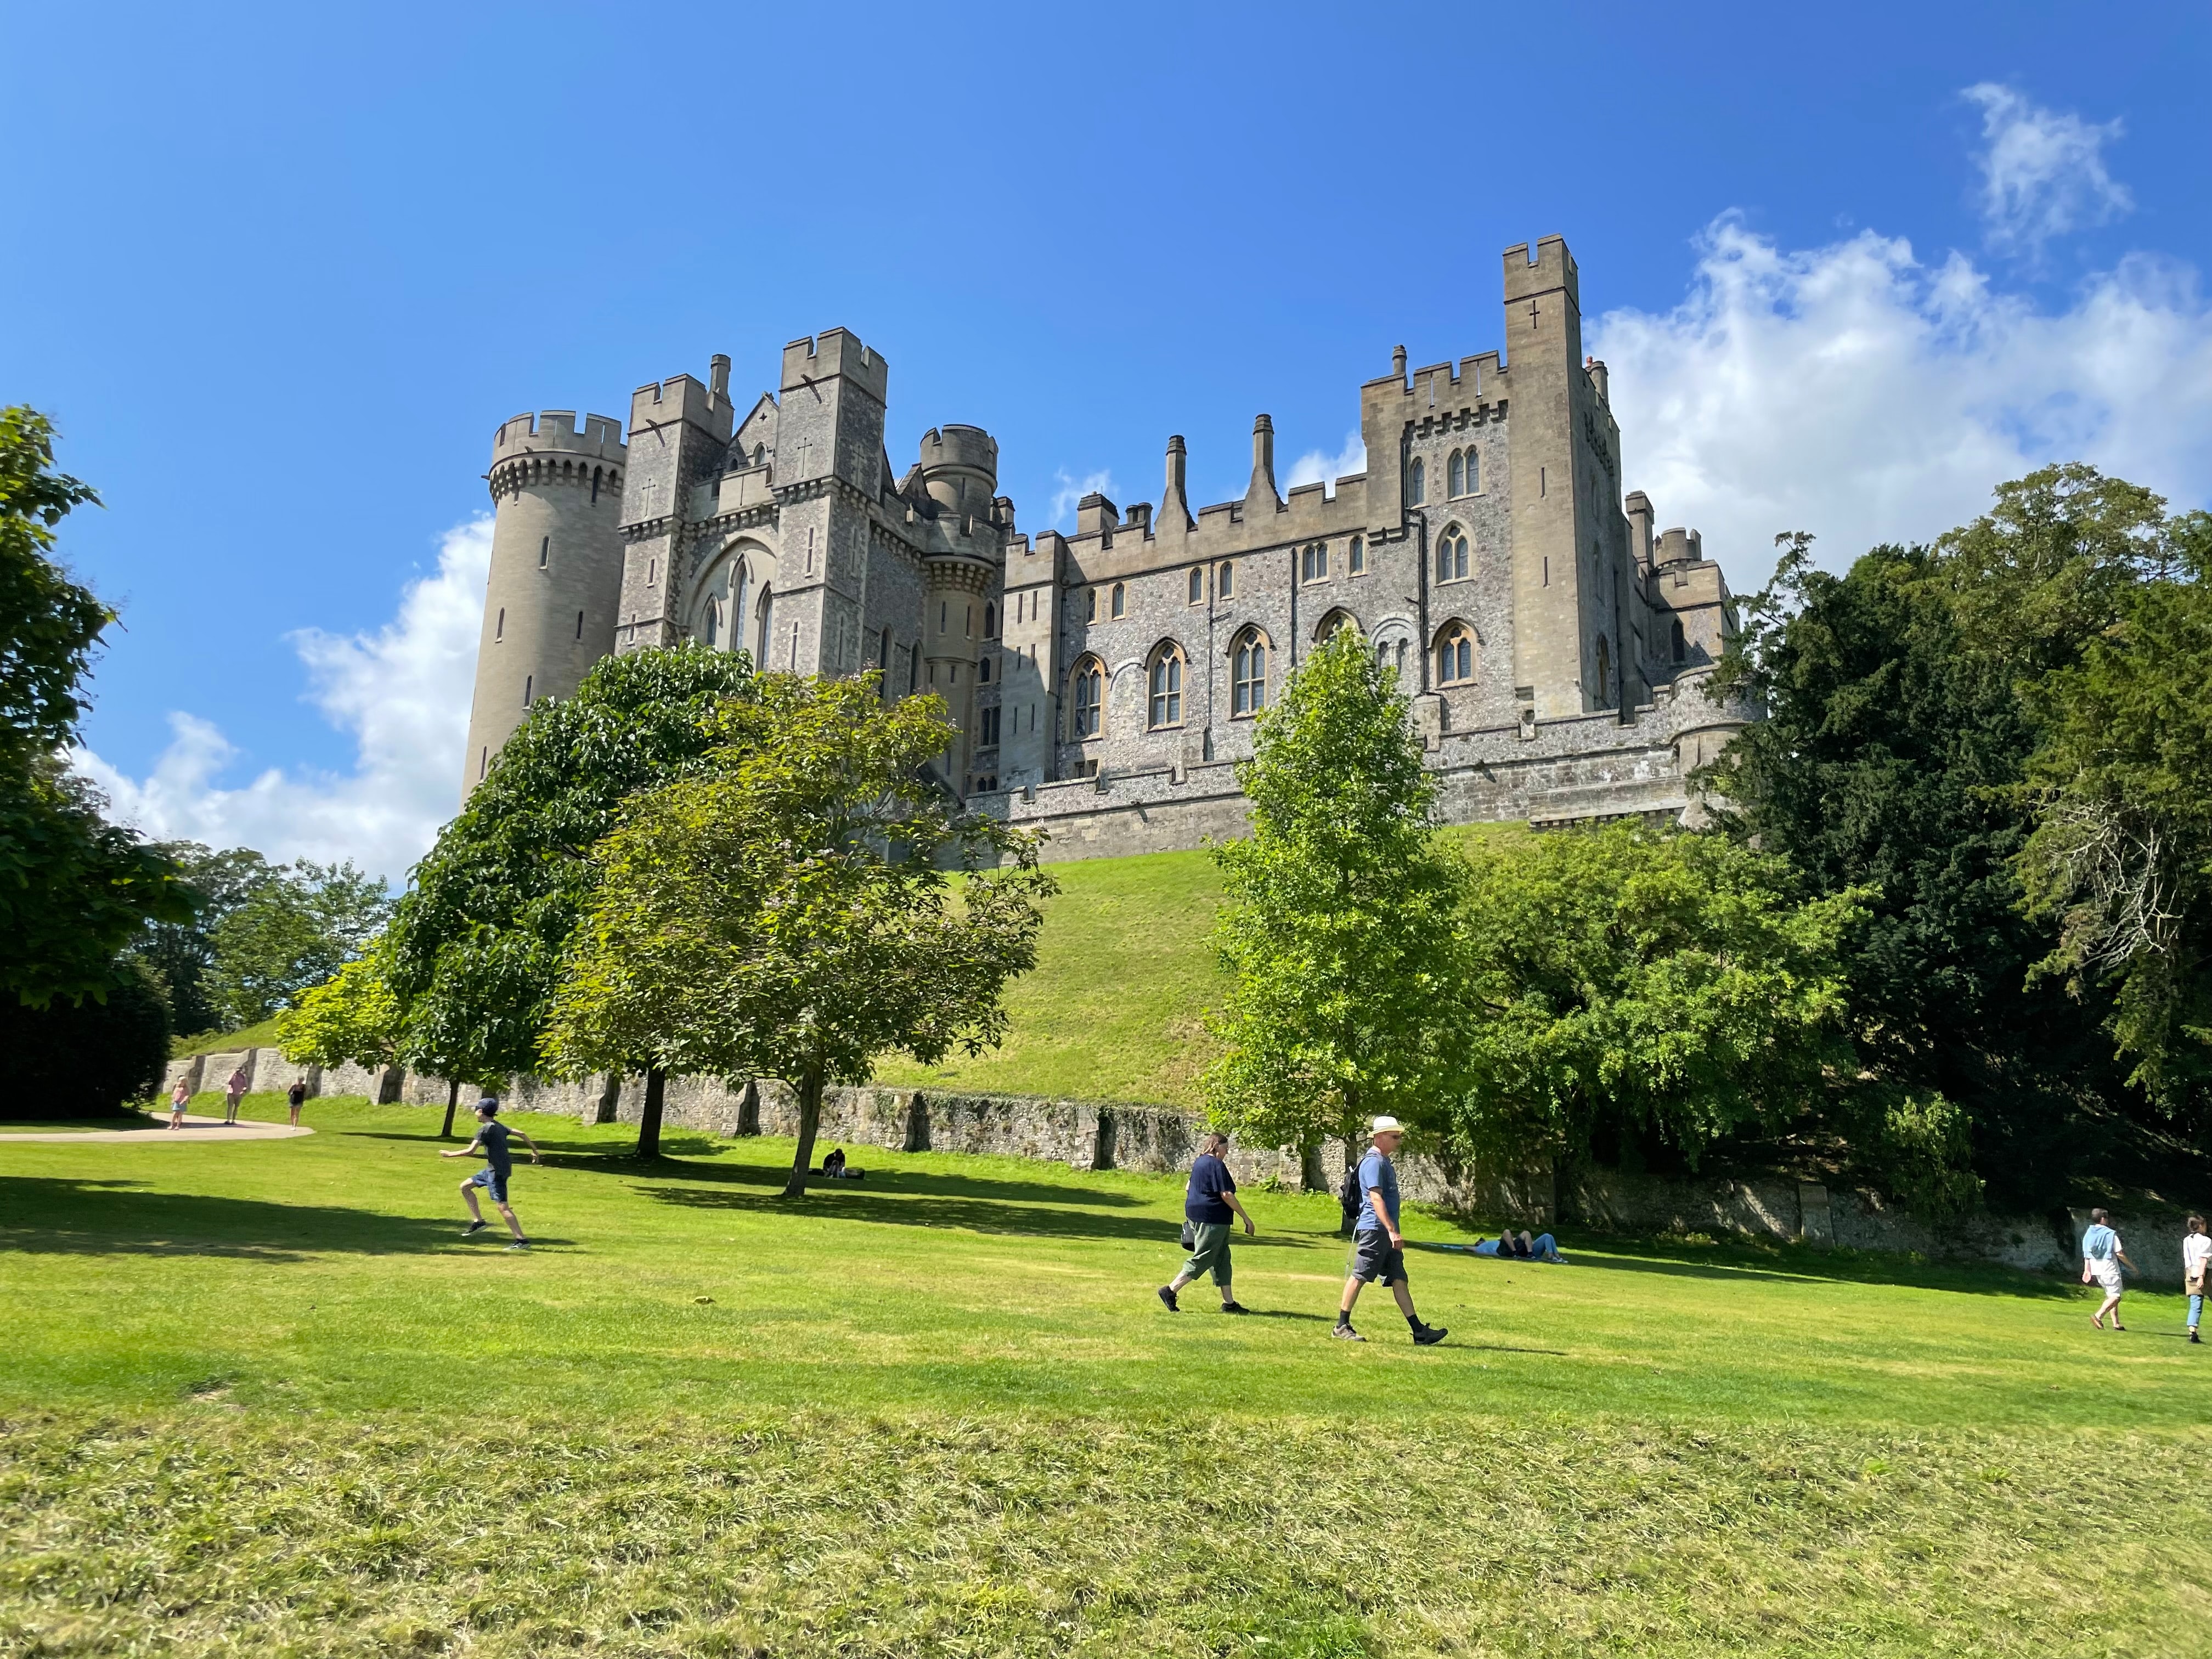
[(1112, 1010)]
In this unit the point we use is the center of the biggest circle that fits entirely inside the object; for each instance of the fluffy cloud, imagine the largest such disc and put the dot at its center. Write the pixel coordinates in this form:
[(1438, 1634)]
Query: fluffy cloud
[(2043, 173), (1072, 489), (1855, 392), (402, 693), (1316, 466)]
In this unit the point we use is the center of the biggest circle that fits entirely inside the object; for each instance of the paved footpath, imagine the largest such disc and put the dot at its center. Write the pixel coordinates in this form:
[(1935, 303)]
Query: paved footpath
[(157, 1129)]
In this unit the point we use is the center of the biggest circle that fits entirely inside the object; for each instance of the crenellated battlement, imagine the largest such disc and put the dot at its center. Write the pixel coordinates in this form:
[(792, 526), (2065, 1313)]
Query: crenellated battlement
[(836, 352), (555, 429), (1551, 269)]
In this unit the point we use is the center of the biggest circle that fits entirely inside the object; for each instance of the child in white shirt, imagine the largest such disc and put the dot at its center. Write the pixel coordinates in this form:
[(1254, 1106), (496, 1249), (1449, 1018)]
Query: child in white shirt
[(2196, 1253)]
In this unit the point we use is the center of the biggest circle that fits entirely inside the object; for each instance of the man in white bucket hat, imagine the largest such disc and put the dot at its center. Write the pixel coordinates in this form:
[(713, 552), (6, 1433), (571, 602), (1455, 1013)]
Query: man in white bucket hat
[(1378, 1248)]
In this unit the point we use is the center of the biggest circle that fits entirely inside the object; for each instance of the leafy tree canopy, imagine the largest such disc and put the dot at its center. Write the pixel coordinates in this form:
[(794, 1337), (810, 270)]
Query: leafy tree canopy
[(784, 911), (1626, 980), (178, 954), (295, 926), (1338, 927), (351, 1019)]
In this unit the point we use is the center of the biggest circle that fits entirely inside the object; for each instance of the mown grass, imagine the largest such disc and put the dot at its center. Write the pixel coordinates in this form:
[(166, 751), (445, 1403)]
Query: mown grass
[(260, 1394), (216, 1042)]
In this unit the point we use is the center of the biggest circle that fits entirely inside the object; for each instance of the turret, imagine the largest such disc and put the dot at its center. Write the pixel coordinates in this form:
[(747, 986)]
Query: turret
[(556, 566), (960, 470)]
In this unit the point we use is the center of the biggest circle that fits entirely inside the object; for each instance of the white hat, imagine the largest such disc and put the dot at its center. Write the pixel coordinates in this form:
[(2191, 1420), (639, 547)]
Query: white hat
[(1387, 1125)]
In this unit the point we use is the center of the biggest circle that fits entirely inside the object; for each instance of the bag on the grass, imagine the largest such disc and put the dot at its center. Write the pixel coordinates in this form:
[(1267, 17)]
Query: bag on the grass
[(1189, 1234)]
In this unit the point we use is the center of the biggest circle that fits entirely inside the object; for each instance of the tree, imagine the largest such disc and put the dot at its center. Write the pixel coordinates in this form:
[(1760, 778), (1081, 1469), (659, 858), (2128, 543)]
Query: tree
[(1899, 726), (295, 928), (74, 888), (2121, 856), (351, 1019), (178, 954), (785, 912), (478, 942), (85, 1059), (1339, 922), (1626, 981)]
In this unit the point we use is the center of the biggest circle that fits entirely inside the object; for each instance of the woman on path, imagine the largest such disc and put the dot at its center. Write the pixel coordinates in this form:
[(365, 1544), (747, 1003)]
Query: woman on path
[(2102, 1260), (2196, 1253), (178, 1097), (232, 1093), (297, 1095)]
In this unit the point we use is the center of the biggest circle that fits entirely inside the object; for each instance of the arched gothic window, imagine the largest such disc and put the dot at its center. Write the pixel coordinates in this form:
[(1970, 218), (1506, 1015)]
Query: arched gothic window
[(1166, 677), (764, 621), (1332, 623), (1474, 473), (1604, 672), (1090, 605), (711, 623), (1197, 584), (990, 622), (1224, 581), (1455, 654), (1453, 563), (1247, 673), (883, 667), (1417, 483), (1682, 642), (1120, 601), (1087, 698), (1456, 475), (740, 588), (1355, 556), (983, 668)]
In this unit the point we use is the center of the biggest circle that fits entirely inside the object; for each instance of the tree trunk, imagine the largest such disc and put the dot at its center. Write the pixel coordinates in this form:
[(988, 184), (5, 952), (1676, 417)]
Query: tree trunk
[(649, 1116), (452, 1099), (809, 1123)]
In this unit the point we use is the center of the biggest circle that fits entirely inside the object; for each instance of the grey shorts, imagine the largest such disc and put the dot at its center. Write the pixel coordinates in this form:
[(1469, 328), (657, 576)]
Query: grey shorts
[(492, 1182), (1373, 1257)]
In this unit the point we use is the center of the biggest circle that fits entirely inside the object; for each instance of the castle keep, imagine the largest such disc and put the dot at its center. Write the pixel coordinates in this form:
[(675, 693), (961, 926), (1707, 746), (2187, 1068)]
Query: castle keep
[(1555, 644)]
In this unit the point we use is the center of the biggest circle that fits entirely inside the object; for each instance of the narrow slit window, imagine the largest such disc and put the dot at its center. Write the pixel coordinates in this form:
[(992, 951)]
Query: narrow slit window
[(544, 551), (580, 624), (1355, 556), (498, 627)]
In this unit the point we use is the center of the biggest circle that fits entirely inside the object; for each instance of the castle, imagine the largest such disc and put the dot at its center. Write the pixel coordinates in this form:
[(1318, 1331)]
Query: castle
[(1555, 645)]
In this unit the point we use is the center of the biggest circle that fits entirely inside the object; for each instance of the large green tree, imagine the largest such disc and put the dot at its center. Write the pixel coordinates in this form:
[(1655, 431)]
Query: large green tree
[(295, 926), (2121, 856), (478, 943), (180, 952), (1900, 725), (787, 912), (1338, 921), (1629, 984), (75, 889)]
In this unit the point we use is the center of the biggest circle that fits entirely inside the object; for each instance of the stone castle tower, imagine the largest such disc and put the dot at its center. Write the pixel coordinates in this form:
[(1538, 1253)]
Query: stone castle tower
[(1102, 684)]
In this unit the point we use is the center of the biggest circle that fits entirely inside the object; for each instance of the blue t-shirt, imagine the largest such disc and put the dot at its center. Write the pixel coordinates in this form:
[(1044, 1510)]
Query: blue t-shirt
[(2098, 1243), (1375, 1175), (1209, 1179), (491, 1140)]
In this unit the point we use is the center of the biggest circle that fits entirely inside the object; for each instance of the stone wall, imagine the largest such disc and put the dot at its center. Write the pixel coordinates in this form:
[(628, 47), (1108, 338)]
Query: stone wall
[(1091, 1135)]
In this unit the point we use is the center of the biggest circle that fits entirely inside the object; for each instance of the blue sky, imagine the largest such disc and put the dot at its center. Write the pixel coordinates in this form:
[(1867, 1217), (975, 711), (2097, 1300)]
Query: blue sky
[(278, 272)]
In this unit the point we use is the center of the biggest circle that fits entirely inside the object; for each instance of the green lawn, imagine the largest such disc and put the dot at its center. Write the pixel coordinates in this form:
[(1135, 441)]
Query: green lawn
[(1112, 1012), (216, 1042), (260, 1396)]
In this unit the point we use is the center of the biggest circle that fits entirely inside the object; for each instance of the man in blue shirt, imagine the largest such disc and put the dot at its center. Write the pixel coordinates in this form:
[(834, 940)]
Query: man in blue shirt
[(1378, 1248), (1210, 1206)]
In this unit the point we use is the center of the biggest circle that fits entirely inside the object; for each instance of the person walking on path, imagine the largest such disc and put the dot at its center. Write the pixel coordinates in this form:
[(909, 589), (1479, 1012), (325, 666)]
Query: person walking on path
[(297, 1097), (491, 1141), (1378, 1248), (1210, 1206), (2102, 1260), (178, 1097), (2195, 1256), (233, 1092)]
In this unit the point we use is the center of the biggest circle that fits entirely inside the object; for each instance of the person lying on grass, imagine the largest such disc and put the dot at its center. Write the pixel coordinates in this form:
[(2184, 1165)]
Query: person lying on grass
[(491, 1142), (1542, 1248)]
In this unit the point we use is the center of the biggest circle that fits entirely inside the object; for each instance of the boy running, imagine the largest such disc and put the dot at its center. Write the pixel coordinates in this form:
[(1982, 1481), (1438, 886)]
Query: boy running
[(1379, 1249), (491, 1141)]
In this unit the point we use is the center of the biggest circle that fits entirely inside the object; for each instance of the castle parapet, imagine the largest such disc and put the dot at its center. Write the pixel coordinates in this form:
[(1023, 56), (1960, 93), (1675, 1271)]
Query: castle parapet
[(836, 352), (555, 429)]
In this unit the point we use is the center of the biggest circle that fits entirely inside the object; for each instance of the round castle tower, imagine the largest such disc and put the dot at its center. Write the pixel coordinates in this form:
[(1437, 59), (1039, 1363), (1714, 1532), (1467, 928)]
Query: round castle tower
[(960, 471), (556, 568)]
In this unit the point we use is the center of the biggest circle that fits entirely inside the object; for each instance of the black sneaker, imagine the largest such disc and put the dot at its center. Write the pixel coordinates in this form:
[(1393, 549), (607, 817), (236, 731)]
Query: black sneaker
[(474, 1228), (1429, 1335), (1235, 1307), (524, 1244), (1168, 1296), (1344, 1333), (2193, 1337)]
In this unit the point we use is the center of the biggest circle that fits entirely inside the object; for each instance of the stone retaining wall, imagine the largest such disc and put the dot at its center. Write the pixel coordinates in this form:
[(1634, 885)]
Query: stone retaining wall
[(1091, 1135)]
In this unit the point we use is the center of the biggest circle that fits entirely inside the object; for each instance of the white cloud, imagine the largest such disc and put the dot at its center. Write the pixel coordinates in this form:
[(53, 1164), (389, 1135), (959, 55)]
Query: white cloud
[(1316, 466), (401, 692), (1072, 489), (1855, 392), (2043, 173)]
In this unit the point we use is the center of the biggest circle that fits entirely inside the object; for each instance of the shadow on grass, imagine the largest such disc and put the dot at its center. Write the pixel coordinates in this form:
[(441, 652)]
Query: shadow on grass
[(880, 1179), (989, 1214), (1791, 1265), (56, 1216)]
